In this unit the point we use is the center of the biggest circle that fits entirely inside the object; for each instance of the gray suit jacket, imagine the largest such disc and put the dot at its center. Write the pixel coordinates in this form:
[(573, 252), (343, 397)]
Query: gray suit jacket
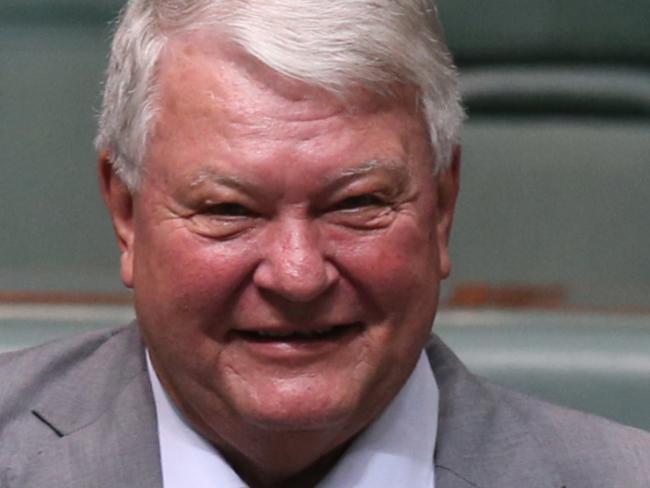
[(79, 413)]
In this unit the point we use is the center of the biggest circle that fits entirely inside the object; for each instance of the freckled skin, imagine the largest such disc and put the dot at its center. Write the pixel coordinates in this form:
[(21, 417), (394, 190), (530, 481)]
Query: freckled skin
[(247, 218)]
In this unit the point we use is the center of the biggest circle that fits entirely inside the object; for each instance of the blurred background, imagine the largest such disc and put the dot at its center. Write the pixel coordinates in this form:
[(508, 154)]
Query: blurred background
[(550, 290)]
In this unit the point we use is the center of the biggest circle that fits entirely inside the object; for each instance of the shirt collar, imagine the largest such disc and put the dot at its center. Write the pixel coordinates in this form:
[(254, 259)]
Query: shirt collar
[(395, 450)]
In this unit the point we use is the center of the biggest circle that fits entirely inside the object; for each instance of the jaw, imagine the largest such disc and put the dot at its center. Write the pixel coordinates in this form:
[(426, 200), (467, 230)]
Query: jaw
[(276, 420)]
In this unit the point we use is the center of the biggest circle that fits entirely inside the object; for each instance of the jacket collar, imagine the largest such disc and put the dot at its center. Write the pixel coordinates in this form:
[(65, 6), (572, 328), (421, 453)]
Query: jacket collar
[(482, 441)]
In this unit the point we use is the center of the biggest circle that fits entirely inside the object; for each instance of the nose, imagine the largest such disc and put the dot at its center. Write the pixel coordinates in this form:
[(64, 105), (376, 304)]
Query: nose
[(294, 266)]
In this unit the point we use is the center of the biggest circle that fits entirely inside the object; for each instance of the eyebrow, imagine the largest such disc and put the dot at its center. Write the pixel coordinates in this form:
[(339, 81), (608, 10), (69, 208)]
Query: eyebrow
[(219, 178), (395, 168)]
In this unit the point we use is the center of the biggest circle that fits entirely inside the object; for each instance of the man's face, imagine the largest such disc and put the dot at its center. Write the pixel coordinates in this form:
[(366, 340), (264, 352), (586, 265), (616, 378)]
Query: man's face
[(285, 247)]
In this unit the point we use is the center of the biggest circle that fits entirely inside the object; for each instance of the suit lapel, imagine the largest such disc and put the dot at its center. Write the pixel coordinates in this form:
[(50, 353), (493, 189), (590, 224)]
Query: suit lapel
[(482, 442), (100, 435)]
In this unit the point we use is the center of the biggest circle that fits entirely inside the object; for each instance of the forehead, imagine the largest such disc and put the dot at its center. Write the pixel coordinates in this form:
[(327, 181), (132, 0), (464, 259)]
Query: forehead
[(213, 94), (229, 74)]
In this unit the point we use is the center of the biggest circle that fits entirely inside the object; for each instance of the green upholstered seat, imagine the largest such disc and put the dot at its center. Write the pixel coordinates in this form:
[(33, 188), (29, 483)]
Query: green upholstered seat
[(556, 202), (595, 363), (56, 235), (554, 191), (23, 326), (514, 31), (58, 11), (556, 151)]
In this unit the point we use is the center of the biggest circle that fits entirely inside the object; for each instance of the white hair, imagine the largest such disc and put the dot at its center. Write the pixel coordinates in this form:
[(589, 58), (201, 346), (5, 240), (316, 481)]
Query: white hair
[(333, 44)]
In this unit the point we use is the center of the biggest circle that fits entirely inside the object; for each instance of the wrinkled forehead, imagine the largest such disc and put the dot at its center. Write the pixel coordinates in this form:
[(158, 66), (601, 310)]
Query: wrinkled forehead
[(235, 74), (213, 96)]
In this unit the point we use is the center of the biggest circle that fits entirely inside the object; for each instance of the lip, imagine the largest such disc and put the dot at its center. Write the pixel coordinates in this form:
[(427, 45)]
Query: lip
[(295, 343)]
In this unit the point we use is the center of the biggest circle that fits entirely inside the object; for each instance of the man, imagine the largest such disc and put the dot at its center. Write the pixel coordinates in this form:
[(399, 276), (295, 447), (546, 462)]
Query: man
[(281, 177)]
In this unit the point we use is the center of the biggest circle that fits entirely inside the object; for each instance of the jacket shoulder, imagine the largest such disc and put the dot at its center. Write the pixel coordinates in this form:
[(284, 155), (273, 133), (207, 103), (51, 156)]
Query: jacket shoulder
[(79, 411), (577, 442), (484, 429), (68, 367)]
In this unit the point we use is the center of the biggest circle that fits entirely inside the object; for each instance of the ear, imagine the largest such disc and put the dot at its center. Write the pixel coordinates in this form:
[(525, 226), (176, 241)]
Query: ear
[(119, 202), (448, 186)]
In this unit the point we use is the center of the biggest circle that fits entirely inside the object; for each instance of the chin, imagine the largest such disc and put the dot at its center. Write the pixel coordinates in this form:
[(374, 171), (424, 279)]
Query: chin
[(297, 411)]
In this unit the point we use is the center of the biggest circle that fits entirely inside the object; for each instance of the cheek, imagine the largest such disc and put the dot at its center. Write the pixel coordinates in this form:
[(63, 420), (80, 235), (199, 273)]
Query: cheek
[(395, 268), (185, 282)]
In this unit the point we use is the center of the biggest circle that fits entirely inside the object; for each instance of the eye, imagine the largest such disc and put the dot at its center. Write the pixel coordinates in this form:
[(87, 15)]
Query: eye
[(229, 209), (359, 201)]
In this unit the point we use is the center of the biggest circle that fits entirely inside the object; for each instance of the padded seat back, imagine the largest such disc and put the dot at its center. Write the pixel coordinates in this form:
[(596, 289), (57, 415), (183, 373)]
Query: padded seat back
[(56, 234), (556, 150), (595, 363)]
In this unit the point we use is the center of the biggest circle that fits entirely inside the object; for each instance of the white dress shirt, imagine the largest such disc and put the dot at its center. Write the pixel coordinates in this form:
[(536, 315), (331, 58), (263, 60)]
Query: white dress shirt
[(395, 450)]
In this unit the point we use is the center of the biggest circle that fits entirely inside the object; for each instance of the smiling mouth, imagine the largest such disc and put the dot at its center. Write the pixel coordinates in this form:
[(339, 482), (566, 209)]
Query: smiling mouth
[(298, 335)]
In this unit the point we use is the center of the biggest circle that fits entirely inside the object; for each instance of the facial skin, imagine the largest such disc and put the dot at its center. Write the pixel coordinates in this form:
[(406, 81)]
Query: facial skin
[(268, 206)]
